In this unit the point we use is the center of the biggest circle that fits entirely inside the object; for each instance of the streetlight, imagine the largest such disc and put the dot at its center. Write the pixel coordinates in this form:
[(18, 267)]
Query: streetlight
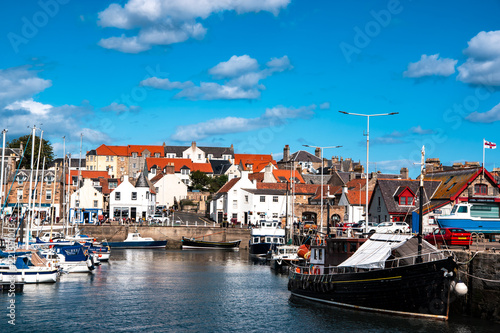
[(322, 171), (368, 150)]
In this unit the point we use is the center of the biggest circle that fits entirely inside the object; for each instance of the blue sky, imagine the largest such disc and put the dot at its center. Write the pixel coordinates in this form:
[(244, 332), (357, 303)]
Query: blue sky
[(257, 74)]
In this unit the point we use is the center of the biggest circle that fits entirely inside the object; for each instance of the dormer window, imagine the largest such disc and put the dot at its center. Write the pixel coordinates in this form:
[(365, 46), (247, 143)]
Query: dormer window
[(134, 155), (157, 155), (21, 178), (405, 196)]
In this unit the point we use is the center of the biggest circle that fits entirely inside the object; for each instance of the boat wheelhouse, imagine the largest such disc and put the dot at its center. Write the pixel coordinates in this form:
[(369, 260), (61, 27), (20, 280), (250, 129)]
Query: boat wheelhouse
[(265, 237), (473, 217)]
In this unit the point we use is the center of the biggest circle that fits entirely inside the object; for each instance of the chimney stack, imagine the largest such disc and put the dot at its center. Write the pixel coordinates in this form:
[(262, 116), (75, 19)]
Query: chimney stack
[(404, 173), (286, 153), (317, 152)]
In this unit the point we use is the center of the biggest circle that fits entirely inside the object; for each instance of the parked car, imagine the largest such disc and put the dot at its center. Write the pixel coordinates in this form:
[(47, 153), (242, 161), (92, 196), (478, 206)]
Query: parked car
[(360, 226), (449, 236), (391, 228)]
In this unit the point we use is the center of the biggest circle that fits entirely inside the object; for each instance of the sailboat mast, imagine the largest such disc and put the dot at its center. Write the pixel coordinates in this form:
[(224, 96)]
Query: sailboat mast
[(421, 205), (29, 215), (1, 175)]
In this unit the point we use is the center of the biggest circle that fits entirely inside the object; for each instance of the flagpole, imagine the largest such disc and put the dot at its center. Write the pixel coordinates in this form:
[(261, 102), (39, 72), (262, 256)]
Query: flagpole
[(484, 141)]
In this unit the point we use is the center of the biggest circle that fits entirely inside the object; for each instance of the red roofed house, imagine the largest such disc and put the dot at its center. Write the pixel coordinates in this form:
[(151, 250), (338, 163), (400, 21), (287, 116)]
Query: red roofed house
[(112, 159)]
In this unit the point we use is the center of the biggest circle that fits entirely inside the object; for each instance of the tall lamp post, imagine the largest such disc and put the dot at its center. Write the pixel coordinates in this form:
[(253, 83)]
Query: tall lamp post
[(368, 151), (322, 171)]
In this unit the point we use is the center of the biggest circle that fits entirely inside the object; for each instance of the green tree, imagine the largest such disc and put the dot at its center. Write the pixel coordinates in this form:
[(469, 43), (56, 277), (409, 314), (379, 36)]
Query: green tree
[(199, 180), (217, 182), (47, 150)]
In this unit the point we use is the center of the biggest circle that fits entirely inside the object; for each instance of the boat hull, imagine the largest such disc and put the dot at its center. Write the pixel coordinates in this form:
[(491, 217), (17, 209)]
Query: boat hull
[(486, 226), (200, 244), (420, 290), (30, 276), (137, 244), (261, 249)]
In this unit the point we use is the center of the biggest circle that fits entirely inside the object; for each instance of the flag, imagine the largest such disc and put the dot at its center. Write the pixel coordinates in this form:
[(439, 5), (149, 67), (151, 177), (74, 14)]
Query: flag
[(490, 145)]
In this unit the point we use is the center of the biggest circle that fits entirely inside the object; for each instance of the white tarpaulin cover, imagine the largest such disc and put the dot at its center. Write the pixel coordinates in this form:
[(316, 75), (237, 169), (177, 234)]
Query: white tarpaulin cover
[(375, 251)]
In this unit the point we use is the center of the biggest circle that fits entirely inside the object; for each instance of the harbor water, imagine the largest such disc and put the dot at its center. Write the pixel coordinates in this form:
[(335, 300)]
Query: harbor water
[(193, 291)]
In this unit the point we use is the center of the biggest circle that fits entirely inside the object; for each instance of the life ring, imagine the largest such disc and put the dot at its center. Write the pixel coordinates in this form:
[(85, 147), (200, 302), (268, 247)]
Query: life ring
[(316, 270), (297, 270)]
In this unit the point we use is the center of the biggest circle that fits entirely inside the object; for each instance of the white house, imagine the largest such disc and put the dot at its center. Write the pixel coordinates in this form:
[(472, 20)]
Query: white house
[(240, 200), (169, 188), (87, 203), (133, 201)]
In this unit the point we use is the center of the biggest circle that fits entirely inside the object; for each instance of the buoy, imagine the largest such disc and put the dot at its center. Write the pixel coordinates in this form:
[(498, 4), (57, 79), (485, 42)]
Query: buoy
[(460, 288)]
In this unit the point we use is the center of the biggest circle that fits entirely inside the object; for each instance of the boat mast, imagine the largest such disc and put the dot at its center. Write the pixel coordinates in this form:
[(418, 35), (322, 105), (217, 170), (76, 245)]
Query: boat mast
[(36, 179), (421, 205), (1, 176), (29, 212)]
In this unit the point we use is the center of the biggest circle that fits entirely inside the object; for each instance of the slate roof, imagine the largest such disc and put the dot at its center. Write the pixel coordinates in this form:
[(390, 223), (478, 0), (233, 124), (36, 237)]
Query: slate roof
[(217, 152), (303, 156), (316, 179), (452, 182), (390, 187), (219, 167), (266, 191)]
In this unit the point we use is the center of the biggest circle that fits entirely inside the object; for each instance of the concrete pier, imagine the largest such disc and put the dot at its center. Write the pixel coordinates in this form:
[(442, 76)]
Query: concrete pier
[(118, 233)]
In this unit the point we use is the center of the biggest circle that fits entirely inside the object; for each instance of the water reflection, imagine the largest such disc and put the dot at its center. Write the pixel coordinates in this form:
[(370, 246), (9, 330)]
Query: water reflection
[(195, 291)]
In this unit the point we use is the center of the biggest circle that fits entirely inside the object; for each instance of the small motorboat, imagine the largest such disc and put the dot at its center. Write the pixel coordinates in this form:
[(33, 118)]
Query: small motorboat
[(135, 241)]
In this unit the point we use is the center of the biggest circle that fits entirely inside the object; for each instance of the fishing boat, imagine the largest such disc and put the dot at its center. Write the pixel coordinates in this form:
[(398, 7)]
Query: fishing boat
[(265, 237), (389, 273), (284, 257), (72, 259), (135, 241), (475, 217), (193, 243)]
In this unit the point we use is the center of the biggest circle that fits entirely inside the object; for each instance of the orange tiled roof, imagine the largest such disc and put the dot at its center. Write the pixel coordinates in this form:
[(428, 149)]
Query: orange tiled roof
[(104, 150), (178, 163), (357, 197), (87, 174), (252, 157), (259, 166), (227, 186), (286, 173), (140, 148)]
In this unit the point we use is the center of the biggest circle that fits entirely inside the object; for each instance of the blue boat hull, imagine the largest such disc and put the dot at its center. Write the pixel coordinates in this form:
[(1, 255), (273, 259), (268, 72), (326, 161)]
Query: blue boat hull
[(486, 226), (137, 244)]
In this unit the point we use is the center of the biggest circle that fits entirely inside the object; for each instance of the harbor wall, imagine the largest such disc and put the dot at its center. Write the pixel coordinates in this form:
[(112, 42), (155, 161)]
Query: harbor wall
[(480, 271), (118, 233)]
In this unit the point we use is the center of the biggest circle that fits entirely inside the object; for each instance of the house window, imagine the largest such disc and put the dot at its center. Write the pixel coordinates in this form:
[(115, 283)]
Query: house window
[(246, 198), (122, 169), (481, 189), (157, 189), (134, 195), (19, 194), (107, 158), (95, 203), (117, 196), (77, 204), (134, 155), (49, 180), (157, 155), (111, 158), (210, 156), (199, 156), (133, 165), (235, 192), (48, 195), (235, 215), (275, 198), (235, 203), (75, 181), (122, 158), (147, 195), (262, 198), (112, 184), (188, 156), (185, 181), (90, 167), (275, 215), (185, 172)]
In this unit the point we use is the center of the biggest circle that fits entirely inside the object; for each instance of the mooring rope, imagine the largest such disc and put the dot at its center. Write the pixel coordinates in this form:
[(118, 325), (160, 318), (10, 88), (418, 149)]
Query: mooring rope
[(479, 278)]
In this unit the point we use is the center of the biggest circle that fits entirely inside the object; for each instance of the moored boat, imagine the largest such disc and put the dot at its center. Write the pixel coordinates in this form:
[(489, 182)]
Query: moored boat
[(476, 217), (265, 237), (386, 274), (135, 241), (193, 243), (28, 269)]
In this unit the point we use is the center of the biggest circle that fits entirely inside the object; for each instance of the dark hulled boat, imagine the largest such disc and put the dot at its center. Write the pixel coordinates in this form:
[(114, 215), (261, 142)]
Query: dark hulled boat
[(192, 243), (384, 275)]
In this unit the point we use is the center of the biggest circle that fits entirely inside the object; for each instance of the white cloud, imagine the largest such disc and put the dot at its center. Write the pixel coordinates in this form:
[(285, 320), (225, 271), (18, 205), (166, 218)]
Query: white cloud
[(483, 63), (31, 106), (324, 106), (19, 83), (243, 76), (165, 84), (485, 117), (431, 66), (235, 66), (213, 90), (164, 22), (272, 117), (120, 108)]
